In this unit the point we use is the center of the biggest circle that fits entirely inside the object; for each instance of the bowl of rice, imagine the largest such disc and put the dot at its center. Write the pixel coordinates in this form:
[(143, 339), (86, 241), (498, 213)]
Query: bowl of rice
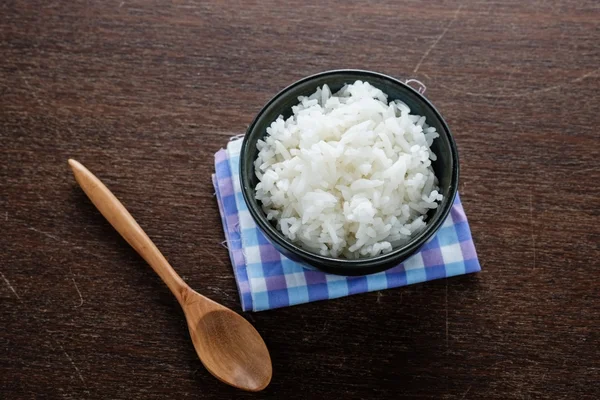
[(349, 171)]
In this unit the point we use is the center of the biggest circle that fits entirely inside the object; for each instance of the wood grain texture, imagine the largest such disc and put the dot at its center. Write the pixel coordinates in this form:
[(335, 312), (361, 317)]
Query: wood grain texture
[(145, 92)]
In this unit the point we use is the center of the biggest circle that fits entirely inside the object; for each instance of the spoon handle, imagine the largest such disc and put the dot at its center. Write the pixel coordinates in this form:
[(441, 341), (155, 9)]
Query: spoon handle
[(123, 222)]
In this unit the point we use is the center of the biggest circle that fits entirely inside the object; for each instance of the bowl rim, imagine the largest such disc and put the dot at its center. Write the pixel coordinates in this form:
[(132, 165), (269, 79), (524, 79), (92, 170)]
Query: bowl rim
[(360, 263)]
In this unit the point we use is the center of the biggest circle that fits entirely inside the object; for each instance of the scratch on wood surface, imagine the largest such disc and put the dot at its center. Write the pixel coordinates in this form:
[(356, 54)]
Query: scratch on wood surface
[(466, 393), (228, 134), (503, 88), (48, 235), (45, 234), (324, 330), (437, 40), (523, 94), (213, 256), (72, 362), (31, 89), (219, 290), (12, 289), (531, 226), (78, 292), (45, 329)]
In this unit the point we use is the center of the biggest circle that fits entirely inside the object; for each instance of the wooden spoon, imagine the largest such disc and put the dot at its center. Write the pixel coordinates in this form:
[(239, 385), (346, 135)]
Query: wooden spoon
[(228, 346)]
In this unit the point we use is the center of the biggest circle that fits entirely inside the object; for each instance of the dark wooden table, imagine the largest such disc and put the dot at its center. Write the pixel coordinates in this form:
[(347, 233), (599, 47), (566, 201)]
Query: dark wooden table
[(145, 92)]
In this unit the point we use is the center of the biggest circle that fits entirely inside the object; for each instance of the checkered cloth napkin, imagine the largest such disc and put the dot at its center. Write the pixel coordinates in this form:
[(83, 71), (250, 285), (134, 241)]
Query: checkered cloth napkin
[(266, 279)]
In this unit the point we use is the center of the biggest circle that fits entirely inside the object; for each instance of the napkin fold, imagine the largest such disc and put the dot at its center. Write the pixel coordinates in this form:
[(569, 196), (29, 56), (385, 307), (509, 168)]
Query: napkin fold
[(266, 279)]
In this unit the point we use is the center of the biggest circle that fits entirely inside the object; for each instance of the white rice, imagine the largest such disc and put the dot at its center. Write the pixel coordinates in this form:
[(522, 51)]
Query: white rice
[(348, 175)]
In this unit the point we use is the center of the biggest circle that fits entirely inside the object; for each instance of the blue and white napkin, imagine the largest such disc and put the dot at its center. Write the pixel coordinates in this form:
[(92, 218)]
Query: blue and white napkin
[(266, 279)]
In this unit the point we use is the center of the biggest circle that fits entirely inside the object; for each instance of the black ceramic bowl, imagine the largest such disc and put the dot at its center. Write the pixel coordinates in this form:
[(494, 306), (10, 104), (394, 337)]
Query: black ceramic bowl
[(445, 167)]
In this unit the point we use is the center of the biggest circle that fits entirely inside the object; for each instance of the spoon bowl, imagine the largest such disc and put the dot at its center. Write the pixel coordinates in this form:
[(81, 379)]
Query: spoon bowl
[(227, 344)]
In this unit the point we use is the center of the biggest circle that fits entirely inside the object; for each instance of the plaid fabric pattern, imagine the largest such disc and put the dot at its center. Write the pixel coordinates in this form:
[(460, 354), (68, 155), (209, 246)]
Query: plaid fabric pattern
[(266, 279)]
